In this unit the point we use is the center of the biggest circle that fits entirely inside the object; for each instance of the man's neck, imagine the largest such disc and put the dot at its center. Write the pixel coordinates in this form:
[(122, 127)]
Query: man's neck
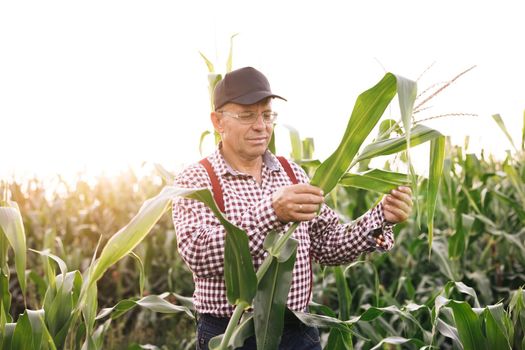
[(251, 166)]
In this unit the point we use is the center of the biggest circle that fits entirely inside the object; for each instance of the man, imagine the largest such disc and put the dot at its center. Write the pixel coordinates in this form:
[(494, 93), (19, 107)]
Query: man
[(259, 195)]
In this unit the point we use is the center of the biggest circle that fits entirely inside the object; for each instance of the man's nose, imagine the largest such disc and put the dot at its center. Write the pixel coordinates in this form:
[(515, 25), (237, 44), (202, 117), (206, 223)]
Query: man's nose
[(259, 122)]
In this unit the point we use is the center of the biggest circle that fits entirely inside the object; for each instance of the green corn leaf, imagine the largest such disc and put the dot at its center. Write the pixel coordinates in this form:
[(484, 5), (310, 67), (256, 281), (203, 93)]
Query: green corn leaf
[(449, 332), (515, 180), (30, 332), (321, 321), (7, 340), (523, 133), (58, 304), (368, 109), (229, 62), (441, 255), (23, 335), (397, 341), (376, 180), (308, 148), (283, 254), (271, 145), (89, 309), (270, 302), (239, 335), (142, 275), (338, 340), (239, 273), (463, 288), (517, 207), (343, 293), (36, 320), (5, 299), (12, 227), (211, 69), (156, 303), (498, 336), (46, 253), (201, 141), (295, 140), (418, 135), (126, 239), (468, 325), (501, 124), (437, 156)]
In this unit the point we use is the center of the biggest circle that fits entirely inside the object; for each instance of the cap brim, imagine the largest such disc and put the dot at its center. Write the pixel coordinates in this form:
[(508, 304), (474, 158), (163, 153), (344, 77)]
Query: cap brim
[(254, 97)]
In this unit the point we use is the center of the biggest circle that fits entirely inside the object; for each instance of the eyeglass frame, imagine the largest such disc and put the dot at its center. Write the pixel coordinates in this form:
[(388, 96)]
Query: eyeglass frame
[(273, 114)]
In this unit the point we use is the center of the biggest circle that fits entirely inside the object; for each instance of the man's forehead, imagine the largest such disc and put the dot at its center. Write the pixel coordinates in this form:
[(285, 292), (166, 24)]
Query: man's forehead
[(264, 103)]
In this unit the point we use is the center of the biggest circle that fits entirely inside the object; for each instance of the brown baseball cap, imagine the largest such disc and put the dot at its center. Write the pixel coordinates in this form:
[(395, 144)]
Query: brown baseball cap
[(244, 86)]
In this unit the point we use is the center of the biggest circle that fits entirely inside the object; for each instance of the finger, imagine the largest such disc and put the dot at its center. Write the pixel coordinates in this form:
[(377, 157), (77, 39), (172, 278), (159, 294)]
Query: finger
[(405, 197), (308, 198), (307, 188), (303, 216), (307, 208), (396, 203), (393, 214)]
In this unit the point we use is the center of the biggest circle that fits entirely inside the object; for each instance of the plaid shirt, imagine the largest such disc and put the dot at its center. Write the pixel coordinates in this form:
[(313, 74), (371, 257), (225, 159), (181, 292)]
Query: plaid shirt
[(248, 205)]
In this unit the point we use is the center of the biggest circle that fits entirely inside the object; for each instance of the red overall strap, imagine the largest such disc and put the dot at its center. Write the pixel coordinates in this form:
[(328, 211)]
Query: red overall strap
[(287, 167), (215, 184)]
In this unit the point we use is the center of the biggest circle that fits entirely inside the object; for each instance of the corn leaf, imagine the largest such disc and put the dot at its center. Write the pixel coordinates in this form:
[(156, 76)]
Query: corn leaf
[(338, 340), (501, 124), (59, 304), (516, 182), (418, 135), (229, 62), (12, 227), (437, 157), (239, 273), (7, 339), (297, 146), (368, 109), (270, 302), (376, 180), (201, 141), (211, 69), (468, 325), (5, 299), (498, 336), (23, 335), (397, 341), (127, 238), (156, 303), (343, 293), (239, 335), (449, 332), (271, 246)]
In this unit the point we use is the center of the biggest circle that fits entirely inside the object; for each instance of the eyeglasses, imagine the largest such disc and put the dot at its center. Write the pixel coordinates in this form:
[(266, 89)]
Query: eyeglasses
[(248, 118)]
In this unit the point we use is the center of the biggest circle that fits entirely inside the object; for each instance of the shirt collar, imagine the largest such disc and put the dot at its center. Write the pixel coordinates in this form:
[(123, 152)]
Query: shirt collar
[(222, 167)]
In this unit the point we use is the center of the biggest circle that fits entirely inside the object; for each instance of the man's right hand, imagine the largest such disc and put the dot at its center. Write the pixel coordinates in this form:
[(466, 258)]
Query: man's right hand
[(297, 202)]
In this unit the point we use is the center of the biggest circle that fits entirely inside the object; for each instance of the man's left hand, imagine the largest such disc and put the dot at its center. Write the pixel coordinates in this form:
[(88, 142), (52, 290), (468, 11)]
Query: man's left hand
[(397, 205)]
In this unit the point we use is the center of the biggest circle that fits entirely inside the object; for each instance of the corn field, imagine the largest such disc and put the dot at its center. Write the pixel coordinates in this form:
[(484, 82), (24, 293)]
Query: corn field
[(95, 266)]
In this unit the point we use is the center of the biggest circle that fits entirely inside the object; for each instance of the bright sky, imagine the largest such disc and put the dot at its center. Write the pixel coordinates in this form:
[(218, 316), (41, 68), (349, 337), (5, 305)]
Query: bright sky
[(96, 85)]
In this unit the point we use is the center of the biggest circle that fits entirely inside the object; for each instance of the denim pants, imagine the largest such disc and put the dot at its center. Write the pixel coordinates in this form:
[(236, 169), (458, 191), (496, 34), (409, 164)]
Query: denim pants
[(296, 336)]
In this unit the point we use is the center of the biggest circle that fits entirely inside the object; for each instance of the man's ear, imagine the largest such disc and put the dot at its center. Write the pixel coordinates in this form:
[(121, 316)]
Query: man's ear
[(217, 122)]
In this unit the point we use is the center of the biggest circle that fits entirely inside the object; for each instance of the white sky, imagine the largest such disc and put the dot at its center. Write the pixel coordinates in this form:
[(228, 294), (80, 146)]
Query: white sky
[(95, 86)]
